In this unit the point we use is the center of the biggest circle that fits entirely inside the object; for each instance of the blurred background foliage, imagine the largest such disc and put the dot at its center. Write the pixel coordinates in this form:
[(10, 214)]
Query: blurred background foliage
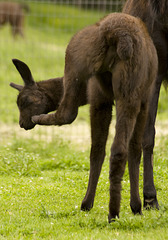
[(48, 27)]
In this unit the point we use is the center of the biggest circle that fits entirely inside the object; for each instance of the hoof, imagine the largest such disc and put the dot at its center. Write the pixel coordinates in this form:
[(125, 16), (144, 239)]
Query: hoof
[(112, 218), (136, 208), (150, 199), (86, 207), (151, 203)]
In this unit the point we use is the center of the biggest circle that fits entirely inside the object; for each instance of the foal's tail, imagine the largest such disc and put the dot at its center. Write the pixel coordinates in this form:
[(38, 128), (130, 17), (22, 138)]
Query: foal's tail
[(125, 47), (123, 42)]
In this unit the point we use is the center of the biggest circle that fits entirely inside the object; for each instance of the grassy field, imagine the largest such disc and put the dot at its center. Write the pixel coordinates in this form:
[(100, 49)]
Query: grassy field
[(44, 172)]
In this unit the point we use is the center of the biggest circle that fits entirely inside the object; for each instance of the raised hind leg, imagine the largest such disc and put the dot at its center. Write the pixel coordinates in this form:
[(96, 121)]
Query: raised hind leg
[(100, 113), (68, 108), (125, 123)]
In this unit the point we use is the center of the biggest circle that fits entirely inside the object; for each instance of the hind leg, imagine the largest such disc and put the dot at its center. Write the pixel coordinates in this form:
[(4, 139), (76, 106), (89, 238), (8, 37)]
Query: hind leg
[(149, 191), (68, 109), (134, 158), (125, 123)]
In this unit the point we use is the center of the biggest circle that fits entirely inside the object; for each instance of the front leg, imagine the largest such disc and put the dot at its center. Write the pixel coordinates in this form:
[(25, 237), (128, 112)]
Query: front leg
[(125, 123)]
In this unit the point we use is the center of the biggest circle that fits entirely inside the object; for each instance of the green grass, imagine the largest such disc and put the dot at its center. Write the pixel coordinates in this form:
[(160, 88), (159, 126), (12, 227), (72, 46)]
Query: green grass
[(42, 186), (44, 172)]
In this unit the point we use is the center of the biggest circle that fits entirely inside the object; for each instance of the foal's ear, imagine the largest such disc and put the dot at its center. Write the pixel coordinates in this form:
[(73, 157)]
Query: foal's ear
[(24, 71), (16, 86)]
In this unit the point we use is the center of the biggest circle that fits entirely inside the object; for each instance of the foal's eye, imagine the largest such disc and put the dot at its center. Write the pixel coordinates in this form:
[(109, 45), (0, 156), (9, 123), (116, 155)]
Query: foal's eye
[(34, 99), (24, 103)]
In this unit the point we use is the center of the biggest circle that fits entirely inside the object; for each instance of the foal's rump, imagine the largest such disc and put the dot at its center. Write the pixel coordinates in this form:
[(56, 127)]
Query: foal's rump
[(134, 55)]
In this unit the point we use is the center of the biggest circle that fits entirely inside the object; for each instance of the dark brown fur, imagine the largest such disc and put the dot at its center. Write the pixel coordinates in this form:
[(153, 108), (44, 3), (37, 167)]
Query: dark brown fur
[(155, 15), (120, 55), (12, 13), (38, 97)]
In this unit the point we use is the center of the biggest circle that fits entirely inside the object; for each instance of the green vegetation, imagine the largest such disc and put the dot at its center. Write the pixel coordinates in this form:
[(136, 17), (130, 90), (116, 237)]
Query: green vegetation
[(42, 185), (44, 172)]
